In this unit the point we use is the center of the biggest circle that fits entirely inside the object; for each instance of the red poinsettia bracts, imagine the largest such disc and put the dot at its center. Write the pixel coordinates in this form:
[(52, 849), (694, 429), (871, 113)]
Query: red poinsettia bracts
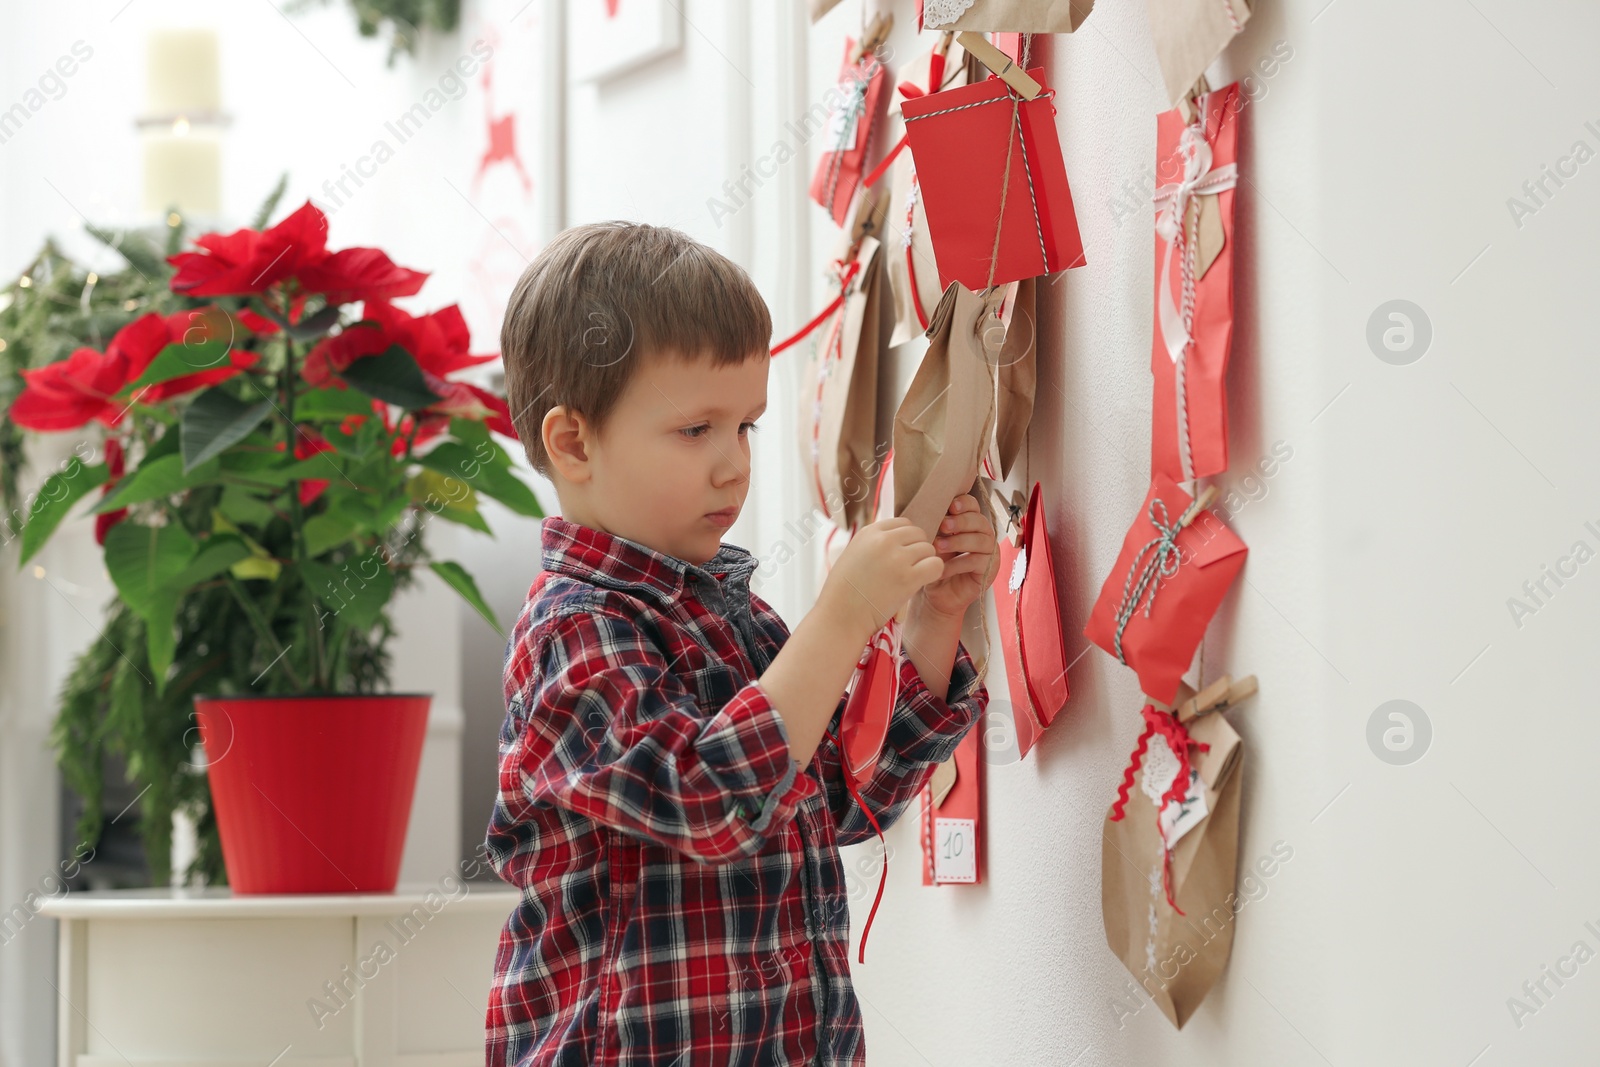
[(439, 343), (248, 261), (83, 387)]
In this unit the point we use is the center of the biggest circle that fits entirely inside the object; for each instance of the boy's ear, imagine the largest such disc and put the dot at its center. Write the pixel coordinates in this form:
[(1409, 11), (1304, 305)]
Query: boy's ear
[(566, 435)]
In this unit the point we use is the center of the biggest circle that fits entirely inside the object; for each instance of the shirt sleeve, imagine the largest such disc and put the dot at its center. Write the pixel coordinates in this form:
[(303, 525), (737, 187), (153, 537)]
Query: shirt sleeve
[(924, 731), (608, 731)]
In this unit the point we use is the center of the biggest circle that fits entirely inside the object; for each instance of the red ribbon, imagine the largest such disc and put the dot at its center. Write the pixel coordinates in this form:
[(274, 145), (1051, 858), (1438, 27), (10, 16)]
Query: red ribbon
[(883, 878), (845, 278), (1177, 738)]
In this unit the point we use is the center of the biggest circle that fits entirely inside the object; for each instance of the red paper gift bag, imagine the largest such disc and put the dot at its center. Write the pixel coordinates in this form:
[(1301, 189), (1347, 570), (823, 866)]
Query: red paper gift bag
[(847, 138), (1197, 166), (1175, 567), (1030, 627), (952, 825), (875, 685), (986, 160)]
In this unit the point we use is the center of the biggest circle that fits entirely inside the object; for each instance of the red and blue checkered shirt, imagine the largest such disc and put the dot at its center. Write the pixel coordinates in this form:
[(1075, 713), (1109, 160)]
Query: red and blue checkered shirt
[(683, 901)]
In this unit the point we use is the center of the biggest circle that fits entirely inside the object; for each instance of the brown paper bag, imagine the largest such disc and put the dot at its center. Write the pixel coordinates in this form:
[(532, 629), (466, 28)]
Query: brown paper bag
[(946, 417), (844, 440), (1015, 377), (1009, 16), (1189, 34), (1176, 958)]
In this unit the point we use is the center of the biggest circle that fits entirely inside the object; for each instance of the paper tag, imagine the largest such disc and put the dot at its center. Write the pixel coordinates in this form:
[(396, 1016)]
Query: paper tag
[(1209, 236), (841, 132), (943, 780), (1178, 819), (955, 850), (1019, 568)]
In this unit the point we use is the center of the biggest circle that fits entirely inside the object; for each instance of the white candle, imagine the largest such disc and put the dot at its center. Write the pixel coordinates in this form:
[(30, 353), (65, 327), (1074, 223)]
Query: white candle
[(182, 77), (185, 171)]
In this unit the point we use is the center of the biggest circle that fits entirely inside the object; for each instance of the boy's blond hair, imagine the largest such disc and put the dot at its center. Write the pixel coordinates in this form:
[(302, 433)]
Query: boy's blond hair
[(600, 297)]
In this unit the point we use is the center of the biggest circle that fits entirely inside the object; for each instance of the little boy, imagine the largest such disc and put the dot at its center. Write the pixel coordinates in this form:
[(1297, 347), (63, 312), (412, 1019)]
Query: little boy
[(671, 793)]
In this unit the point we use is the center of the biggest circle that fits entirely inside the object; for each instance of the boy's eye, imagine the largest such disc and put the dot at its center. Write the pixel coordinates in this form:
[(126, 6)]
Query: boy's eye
[(694, 431), (749, 426)]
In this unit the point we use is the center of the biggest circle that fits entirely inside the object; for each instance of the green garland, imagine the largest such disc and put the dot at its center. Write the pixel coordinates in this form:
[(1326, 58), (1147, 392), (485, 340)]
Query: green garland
[(407, 20)]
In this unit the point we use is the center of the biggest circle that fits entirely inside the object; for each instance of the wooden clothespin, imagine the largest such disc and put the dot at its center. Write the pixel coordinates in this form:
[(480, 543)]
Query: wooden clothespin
[(1007, 71), (1220, 695), (877, 33)]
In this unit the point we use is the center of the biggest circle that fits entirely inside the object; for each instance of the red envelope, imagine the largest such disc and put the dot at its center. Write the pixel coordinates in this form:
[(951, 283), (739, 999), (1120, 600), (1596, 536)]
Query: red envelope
[(1030, 627), (1193, 301), (952, 831), (1166, 584), (959, 139), (847, 137)]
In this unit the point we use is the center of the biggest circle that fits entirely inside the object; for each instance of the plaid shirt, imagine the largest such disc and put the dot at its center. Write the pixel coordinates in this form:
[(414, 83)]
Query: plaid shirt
[(683, 901)]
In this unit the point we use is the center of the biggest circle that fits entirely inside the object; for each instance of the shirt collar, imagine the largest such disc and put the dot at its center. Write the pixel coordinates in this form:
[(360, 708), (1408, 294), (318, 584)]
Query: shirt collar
[(626, 565)]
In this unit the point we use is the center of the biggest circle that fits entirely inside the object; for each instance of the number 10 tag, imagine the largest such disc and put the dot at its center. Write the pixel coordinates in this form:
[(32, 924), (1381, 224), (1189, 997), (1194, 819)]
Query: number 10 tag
[(955, 850)]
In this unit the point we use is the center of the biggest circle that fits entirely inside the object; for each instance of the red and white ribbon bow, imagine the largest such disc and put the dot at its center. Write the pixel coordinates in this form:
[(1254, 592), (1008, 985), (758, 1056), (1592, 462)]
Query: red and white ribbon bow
[(1172, 205)]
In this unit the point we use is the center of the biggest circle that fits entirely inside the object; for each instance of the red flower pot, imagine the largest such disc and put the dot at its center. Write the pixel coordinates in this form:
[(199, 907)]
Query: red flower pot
[(313, 794)]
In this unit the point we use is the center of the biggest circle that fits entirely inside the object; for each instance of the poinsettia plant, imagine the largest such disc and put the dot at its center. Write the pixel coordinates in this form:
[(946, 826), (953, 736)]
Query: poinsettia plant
[(274, 445)]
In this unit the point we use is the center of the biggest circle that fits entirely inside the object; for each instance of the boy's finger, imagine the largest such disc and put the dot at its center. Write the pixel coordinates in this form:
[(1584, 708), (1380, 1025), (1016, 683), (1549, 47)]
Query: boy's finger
[(965, 542), (969, 521)]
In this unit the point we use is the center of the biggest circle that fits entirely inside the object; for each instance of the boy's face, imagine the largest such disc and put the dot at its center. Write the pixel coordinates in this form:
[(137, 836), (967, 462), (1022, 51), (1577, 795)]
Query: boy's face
[(674, 452)]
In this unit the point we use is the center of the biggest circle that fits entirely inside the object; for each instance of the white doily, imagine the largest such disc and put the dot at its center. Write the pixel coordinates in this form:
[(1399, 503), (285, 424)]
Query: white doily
[(1019, 567), (936, 13), (1160, 767)]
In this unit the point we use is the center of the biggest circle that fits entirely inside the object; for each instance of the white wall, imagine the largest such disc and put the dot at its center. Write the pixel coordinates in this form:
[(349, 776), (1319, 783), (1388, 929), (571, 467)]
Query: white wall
[(1418, 499)]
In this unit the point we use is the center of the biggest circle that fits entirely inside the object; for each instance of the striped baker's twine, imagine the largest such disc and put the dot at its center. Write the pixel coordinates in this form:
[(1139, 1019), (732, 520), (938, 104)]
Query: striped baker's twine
[(1159, 558)]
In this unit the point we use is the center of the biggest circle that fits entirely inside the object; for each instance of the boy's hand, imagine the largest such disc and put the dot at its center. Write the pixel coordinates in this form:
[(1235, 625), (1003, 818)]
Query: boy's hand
[(884, 564), (966, 543)]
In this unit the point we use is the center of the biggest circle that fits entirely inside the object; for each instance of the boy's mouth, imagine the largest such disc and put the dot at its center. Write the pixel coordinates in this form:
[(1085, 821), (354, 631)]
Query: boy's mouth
[(724, 517)]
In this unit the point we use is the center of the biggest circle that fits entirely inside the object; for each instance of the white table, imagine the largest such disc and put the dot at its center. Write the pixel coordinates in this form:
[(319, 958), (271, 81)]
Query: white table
[(202, 978)]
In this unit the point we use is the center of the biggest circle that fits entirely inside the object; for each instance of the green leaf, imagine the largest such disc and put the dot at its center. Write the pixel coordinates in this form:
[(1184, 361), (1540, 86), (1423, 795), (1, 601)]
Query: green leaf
[(56, 497), (161, 623), (312, 327), (215, 420), (219, 554), (475, 435), (257, 567), (322, 465), (241, 505), (479, 470), (393, 377), (356, 590), (456, 577), (326, 531), (165, 445), (444, 496), (146, 561), (155, 479), (331, 405), (177, 360)]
